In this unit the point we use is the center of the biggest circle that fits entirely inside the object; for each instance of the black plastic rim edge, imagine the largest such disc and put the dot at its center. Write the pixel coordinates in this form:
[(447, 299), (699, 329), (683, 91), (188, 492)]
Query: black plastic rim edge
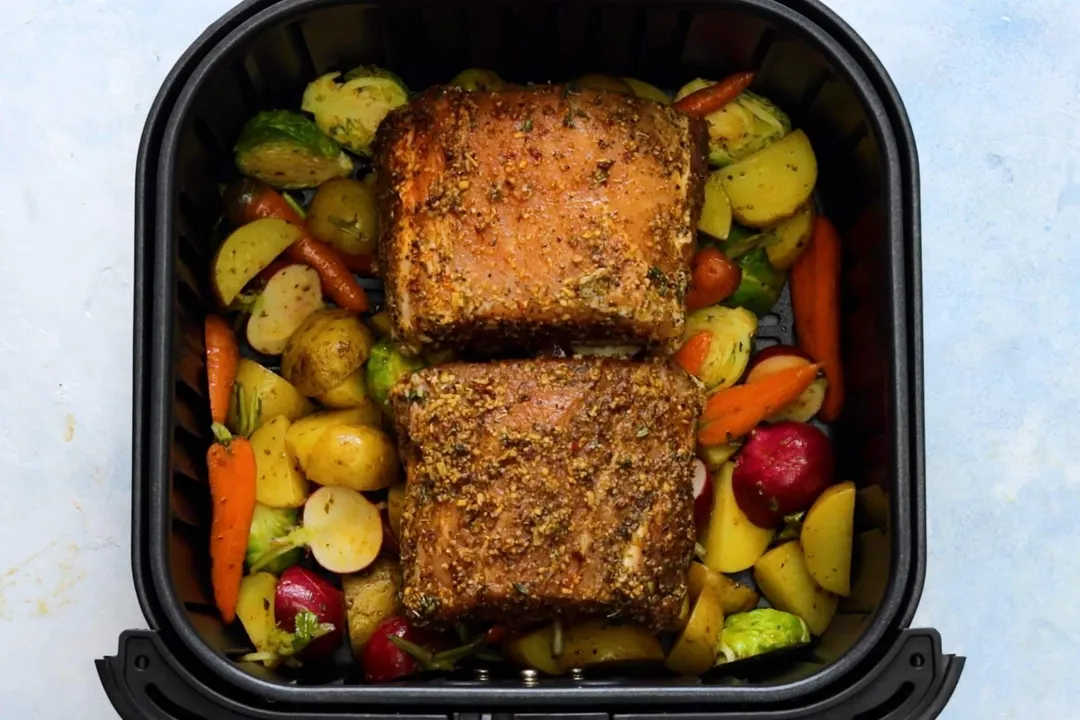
[(160, 425), (145, 220)]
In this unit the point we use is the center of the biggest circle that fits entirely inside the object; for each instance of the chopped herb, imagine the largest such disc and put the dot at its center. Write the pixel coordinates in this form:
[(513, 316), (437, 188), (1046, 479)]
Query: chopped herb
[(343, 224), (428, 604), (626, 463), (527, 125), (568, 119), (414, 395), (642, 431), (521, 588)]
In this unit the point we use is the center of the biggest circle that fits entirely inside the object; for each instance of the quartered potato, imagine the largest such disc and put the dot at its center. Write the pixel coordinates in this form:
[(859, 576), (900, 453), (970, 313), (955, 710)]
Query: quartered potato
[(278, 484), (783, 578), (275, 395), (772, 183), (291, 295), (732, 543), (352, 392), (793, 235), (246, 252)]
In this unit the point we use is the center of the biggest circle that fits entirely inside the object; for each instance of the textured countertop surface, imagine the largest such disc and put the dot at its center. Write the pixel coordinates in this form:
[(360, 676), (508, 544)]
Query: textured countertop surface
[(993, 90)]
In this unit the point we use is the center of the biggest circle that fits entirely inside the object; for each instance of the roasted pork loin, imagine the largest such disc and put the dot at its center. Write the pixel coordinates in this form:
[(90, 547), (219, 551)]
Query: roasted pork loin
[(530, 215), (547, 488)]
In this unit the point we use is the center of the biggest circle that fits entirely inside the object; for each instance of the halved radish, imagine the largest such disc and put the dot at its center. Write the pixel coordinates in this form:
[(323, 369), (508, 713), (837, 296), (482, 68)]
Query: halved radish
[(703, 494), (343, 529), (782, 357)]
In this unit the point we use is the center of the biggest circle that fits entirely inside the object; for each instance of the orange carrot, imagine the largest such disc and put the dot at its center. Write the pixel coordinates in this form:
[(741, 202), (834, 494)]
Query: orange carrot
[(691, 356), (251, 200), (222, 357), (231, 465), (710, 99), (815, 300), (732, 413), (337, 281), (713, 278)]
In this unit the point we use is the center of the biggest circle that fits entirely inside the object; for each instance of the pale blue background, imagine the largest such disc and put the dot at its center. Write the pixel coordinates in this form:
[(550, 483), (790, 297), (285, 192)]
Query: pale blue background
[(992, 87)]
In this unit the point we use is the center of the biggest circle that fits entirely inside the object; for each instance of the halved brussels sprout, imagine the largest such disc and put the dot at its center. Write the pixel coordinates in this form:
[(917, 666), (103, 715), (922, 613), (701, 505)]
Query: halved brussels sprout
[(761, 283), (269, 524), (758, 632), (386, 366), (731, 332), (745, 125), (287, 150), (350, 111), (478, 79)]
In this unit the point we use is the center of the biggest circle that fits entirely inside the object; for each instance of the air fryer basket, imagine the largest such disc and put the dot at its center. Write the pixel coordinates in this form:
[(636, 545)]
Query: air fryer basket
[(261, 56)]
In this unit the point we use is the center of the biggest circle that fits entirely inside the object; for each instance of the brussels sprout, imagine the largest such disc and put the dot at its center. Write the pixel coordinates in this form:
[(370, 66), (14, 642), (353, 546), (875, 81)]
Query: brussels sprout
[(761, 283), (269, 524), (745, 125), (386, 366), (477, 79), (350, 111), (758, 632), (285, 149), (731, 333)]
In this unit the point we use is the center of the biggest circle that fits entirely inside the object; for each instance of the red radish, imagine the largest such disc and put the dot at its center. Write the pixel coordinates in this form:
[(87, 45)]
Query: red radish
[(782, 469), (398, 648), (301, 591), (385, 661), (781, 357), (703, 494)]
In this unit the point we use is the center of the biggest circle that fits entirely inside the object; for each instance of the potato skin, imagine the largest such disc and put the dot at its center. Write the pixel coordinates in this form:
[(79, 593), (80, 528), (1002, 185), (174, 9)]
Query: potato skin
[(329, 346), (276, 396), (371, 597), (343, 215), (359, 457)]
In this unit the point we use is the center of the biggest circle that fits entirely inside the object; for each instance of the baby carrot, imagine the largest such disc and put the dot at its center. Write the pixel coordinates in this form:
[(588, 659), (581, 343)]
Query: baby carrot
[(691, 356), (731, 413), (815, 301), (222, 356), (251, 200), (710, 99), (231, 467)]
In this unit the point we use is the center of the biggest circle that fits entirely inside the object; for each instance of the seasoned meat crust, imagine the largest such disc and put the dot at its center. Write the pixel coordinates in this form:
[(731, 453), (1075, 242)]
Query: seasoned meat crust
[(544, 488), (537, 214)]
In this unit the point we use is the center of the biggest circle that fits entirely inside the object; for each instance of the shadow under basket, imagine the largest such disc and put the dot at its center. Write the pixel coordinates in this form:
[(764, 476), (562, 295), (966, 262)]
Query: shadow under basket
[(868, 665)]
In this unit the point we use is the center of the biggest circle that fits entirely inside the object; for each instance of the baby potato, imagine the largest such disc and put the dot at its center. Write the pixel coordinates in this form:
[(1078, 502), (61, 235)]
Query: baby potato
[(303, 434), (328, 347), (343, 215), (351, 393), (354, 456), (370, 597)]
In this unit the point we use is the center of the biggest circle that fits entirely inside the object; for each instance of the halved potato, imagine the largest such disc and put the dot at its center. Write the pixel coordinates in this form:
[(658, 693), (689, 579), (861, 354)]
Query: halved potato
[(354, 456), (343, 215), (600, 642), (808, 404), (371, 597), (277, 482), (276, 396), (772, 183), (343, 529), (246, 252), (351, 393), (784, 580), (293, 293), (328, 347), (534, 650), (732, 543), (303, 434), (793, 236), (827, 536)]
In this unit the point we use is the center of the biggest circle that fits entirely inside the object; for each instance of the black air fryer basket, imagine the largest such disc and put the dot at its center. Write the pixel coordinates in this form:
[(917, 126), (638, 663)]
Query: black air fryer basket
[(868, 665)]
